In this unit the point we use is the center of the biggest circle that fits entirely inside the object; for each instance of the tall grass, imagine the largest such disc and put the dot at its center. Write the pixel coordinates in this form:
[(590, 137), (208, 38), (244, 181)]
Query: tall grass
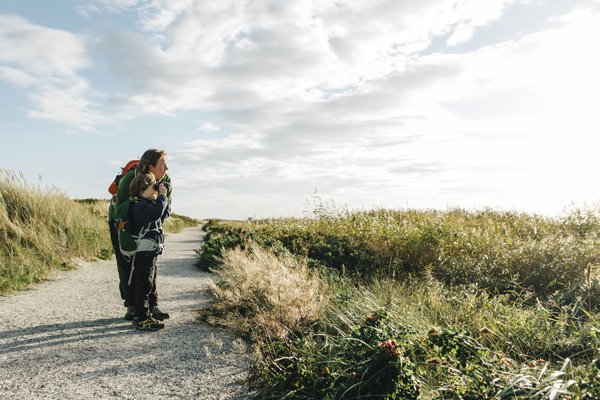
[(41, 229), (499, 251), (419, 304), (262, 295)]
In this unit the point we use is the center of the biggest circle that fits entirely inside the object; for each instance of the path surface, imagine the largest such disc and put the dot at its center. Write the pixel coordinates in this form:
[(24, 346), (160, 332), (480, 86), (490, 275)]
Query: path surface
[(66, 339)]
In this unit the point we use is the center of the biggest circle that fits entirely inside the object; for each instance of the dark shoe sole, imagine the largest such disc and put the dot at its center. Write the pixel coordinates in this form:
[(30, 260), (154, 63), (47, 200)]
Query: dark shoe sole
[(160, 317), (151, 328)]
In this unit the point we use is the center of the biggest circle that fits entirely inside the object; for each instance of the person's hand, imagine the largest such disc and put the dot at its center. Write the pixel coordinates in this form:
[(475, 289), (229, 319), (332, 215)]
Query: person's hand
[(162, 189)]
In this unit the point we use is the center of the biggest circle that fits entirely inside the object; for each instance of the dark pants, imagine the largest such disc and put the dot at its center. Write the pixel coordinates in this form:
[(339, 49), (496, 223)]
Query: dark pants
[(123, 267), (144, 276)]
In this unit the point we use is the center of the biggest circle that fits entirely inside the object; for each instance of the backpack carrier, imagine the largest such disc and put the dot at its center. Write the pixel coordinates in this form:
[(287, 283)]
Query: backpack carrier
[(113, 189), (131, 243), (144, 244), (114, 186)]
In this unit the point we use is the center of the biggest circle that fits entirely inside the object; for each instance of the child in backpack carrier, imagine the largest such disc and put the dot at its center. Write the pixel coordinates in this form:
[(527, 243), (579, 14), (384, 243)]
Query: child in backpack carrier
[(149, 205)]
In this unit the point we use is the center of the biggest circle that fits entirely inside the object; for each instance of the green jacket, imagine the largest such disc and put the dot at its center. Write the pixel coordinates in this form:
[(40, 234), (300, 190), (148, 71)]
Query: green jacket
[(123, 192)]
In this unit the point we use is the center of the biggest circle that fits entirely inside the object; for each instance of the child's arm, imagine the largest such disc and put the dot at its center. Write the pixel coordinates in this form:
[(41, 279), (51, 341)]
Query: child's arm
[(148, 212)]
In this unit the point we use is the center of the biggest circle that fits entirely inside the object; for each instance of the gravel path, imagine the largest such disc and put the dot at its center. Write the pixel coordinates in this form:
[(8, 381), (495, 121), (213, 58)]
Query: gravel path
[(66, 339)]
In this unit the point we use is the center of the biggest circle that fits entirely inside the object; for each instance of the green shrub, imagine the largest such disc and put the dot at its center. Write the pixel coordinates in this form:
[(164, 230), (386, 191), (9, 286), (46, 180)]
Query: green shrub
[(426, 304), (499, 251)]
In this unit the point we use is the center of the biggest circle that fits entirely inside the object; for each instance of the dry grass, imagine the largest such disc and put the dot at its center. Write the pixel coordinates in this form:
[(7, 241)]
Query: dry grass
[(260, 292), (41, 230)]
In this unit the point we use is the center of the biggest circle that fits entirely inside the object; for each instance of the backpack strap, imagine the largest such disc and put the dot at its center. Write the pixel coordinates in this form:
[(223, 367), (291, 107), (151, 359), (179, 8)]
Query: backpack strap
[(138, 237)]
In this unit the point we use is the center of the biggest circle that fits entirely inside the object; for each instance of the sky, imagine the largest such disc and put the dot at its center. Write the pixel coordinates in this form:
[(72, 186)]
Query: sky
[(268, 108)]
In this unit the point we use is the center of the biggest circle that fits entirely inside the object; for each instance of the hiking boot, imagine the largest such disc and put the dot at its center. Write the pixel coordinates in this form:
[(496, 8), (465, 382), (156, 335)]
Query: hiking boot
[(130, 314), (150, 324), (159, 315)]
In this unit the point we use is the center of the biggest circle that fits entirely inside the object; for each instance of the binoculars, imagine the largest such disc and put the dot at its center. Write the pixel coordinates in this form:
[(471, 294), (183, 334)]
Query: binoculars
[(157, 184)]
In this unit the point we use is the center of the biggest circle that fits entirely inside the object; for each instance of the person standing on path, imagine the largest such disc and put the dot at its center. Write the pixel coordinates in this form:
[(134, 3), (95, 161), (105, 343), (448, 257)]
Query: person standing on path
[(152, 161), (149, 205)]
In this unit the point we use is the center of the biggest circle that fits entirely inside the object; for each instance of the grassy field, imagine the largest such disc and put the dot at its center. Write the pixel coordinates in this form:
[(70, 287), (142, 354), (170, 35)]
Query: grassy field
[(43, 230), (413, 304)]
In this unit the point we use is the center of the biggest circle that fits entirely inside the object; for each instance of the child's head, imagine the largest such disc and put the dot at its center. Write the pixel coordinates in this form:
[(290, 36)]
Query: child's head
[(143, 186)]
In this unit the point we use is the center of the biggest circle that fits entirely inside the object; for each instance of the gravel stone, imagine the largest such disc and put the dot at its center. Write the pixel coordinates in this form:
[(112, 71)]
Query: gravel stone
[(66, 338)]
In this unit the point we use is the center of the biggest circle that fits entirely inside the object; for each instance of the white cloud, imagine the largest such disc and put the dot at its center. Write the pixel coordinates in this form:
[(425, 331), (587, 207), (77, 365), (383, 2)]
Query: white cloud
[(460, 35), (369, 99), (504, 124), (473, 14), (296, 51), (16, 76), (208, 127), (39, 49), (45, 62), (111, 6), (65, 104), (158, 15)]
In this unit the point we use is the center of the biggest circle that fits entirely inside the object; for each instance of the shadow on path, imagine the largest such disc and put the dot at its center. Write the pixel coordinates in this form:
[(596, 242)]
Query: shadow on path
[(58, 334)]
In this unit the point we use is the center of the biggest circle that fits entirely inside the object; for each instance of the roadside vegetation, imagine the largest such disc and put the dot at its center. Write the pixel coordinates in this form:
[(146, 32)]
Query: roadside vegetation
[(176, 223), (413, 304), (43, 230)]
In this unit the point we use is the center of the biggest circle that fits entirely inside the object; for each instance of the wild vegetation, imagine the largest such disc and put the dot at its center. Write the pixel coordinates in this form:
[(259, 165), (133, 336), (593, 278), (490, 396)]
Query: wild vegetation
[(176, 222), (41, 229), (413, 304)]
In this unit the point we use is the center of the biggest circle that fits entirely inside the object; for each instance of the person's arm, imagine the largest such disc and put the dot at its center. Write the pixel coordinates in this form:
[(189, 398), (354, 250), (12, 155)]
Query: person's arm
[(145, 212), (167, 212), (167, 179)]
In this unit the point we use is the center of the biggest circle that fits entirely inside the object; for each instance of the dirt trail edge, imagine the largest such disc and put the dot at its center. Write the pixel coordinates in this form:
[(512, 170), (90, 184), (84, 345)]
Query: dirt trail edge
[(66, 338)]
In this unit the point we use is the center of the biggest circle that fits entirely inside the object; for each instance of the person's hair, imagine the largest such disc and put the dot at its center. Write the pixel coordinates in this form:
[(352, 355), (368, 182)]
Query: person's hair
[(141, 183), (150, 157)]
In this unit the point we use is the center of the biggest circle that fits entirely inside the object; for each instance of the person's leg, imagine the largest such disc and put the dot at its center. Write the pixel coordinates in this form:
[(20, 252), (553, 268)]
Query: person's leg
[(143, 275), (153, 301), (123, 269), (153, 297)]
